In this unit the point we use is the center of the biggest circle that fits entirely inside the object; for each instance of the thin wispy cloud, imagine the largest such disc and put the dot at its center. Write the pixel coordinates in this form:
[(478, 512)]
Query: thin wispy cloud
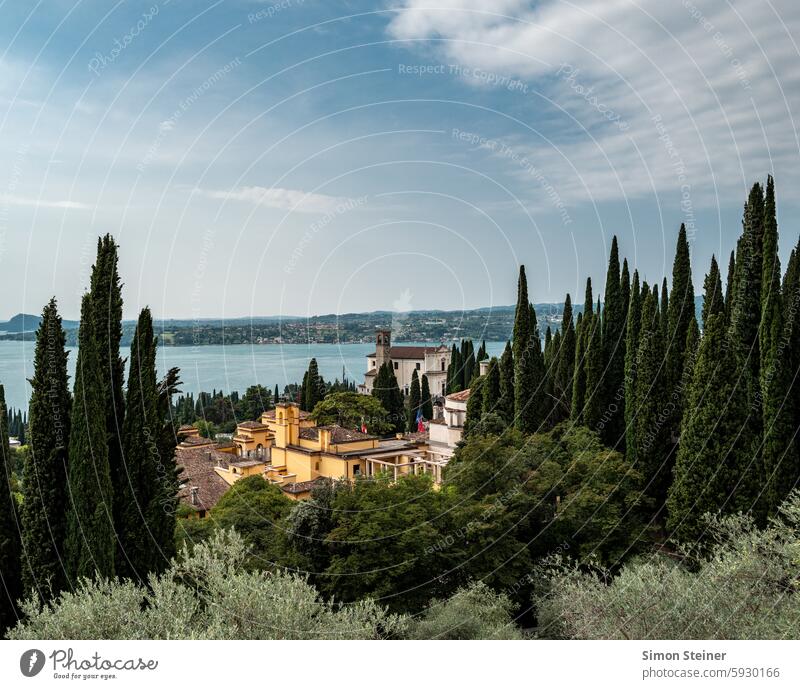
[(14, 200), (276, 197)]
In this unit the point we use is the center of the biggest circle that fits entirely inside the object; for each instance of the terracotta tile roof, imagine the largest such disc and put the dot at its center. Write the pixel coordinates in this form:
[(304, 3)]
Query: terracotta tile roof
[(302, 486), (195, 441), (251, 425), (196, 469), (339, 434), (462, 396), (187, 427), (410, 352)]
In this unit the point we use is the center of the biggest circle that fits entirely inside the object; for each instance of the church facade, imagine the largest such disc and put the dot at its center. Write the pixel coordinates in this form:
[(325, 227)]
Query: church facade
[(431, 361)]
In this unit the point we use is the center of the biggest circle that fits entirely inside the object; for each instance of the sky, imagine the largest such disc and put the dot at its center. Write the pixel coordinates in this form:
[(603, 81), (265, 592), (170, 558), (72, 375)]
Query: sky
[(307, 157)]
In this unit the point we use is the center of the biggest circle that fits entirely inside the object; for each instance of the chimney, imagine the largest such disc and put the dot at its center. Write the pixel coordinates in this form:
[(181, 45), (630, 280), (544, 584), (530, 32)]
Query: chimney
[(193, 495), (484, 367)]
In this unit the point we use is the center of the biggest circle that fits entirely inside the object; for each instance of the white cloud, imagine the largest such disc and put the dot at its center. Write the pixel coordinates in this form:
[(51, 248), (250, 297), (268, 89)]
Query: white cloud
[(14, 200), (721, 77), (275, 197)]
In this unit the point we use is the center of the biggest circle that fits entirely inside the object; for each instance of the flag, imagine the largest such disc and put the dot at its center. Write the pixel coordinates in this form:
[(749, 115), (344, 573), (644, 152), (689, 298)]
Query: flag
[(363, 427), (420, 420)]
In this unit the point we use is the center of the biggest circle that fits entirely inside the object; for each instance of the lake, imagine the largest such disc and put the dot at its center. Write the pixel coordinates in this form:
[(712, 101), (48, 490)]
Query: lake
[(217, 367)]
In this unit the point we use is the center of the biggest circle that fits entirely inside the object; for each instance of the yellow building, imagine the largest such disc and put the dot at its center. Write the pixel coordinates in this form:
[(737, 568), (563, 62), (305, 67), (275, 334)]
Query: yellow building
[(288, 449)]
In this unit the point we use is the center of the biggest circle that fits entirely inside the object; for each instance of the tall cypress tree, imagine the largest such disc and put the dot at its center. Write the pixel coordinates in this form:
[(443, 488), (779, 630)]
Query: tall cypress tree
[(10, 546), (712, 288), (491, 388), (566, 363), (791, 327), (427, 402), (414, 402), (529, 402), (106, 307), (778, 450), (583, 332), (712, 450), (594, 406), (612, 413), (651, 432), (746, 307), (314, 386), (275, 396), (136, 555), (388, 393), (631, 354), (90, 542), (680, 313), (506, 409), (164, 505), (45, 469), (729, 286)]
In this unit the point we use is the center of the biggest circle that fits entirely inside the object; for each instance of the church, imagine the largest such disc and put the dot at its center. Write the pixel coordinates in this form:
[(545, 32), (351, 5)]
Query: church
[(428, 361)]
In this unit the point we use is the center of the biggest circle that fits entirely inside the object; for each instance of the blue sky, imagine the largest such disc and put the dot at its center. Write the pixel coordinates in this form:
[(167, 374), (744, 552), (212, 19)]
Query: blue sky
[(256, 158)]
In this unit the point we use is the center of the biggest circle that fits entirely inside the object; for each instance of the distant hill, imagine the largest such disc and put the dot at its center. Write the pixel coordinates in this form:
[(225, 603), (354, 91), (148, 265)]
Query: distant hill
[(26, 322)]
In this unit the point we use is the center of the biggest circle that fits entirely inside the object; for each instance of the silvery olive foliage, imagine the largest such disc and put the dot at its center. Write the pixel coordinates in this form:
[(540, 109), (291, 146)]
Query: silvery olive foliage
[(208, 593), (745, 586), (205, 594), (474, 612)]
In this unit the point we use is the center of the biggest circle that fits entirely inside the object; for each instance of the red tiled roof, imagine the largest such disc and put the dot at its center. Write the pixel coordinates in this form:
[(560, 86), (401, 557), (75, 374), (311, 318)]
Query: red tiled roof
[(251, 425), (462, 396), (197, 471), (301, 487)]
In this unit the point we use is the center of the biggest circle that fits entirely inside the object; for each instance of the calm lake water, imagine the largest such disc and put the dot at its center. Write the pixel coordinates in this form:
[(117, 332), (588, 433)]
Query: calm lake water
[(216, 367)]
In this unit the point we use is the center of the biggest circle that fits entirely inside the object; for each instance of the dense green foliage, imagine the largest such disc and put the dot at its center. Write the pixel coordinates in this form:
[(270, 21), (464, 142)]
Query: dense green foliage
[(10, 546), (351, 410), (45, 469)]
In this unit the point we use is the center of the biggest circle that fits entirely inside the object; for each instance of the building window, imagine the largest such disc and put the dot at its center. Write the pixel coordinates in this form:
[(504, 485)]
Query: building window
[(356, 470), (443, 366), (316, 466), (395, 365), (418, 366)]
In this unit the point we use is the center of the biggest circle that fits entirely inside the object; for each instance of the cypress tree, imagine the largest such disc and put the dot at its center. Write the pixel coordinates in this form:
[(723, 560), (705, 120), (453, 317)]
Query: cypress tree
[(631, 352), (778, 450), (164, 505), (304, 391), (389, 395), (712, 449), (594, 406), (746, 307), (664, 312), (582, 336), (106, 306), (791, 327), (136, 555), (314, 386), (491, 387), (566, 363), (680, 314), (712, 288), (414, 402), (475, 405), (468, 359), (528, 363), (90, 542), (579, 369), (612, 414), (276, 397), (729, 286), (651, 432), (10, 546), (507, 385), (427, 402), (45, 469)]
